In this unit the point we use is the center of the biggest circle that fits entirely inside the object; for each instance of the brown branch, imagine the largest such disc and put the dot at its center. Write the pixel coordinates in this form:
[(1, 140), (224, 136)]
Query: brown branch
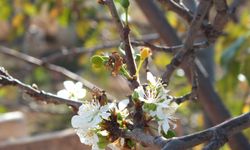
[(202, 10), (36, 94), (233, 8), (71, 52), (214, 30), (51, 67), (167, 49), (219, 132), (175, 7), (124, 34)]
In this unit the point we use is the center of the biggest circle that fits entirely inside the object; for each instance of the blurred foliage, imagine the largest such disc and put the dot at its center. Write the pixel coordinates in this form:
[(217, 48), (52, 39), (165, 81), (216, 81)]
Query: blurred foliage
[(233, 55)]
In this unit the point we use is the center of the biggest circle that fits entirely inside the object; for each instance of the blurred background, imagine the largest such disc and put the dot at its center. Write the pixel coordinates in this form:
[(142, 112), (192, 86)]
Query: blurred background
[(44, 28)]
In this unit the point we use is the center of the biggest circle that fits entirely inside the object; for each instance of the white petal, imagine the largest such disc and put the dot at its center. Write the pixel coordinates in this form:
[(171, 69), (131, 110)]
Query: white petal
[(81, 93), (140, 91), (69, 85), (81, 133), (63, 93), (105, 115), (165, 126), (111, 106), (123, 104), (78, 85), (96, 120), (79, 122), (151, 78), (159, 112), (104, 108)]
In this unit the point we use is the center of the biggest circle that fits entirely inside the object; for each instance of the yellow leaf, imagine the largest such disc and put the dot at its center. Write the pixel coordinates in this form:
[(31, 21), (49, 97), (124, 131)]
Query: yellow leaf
[(17, 20)]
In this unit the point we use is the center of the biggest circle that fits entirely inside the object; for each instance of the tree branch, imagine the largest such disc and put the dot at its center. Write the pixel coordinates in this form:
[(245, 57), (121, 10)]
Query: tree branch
[(81, 50), (175, 7), (225, 129), (202, 10), (39, 95), (167, 49), (208, 98), (124, 34), (54, 68)]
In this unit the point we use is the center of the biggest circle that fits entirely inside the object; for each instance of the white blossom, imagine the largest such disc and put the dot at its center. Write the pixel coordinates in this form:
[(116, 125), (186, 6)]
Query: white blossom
[(164, 114), (86, 123), (154, 92), (121, 107), (88, 137), (74, 91), (157, 102)]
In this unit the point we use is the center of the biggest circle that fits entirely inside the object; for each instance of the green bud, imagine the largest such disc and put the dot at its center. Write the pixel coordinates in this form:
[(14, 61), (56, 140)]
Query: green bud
[(97, 61), (124, 3)]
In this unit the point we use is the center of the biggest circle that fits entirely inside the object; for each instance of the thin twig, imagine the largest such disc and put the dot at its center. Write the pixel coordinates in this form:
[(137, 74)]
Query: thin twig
[(70, 52), (39, 95), (51, 67), (175, 7), (220, 19), (166, 48)]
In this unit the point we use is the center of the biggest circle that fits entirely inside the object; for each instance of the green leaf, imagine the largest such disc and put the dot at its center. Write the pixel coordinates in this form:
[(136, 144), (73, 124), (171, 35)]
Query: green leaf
[(169, 134), (64, 17), (230, 53)]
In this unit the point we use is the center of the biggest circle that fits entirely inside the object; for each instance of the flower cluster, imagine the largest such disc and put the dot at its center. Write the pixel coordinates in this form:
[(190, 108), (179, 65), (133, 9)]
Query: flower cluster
[(91, 115), (97, 119), (86, 123), (156, 102)]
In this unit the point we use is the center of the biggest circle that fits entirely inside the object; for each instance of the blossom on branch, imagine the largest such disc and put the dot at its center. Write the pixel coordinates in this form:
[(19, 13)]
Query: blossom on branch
[(72, 91), (157, 102), (86, 123)]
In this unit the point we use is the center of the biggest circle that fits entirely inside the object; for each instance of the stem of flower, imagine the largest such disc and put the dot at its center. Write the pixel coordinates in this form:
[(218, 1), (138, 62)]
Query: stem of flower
[(139, 67)]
